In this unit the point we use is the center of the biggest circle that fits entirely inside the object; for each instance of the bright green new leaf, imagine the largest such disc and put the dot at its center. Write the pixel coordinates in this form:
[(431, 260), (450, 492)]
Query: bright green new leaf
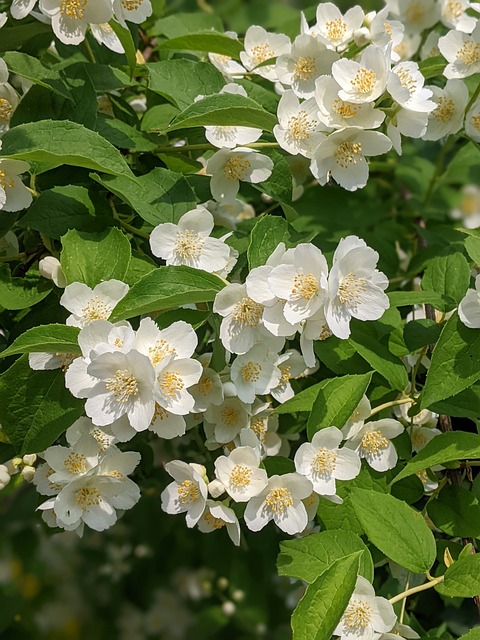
[(474, 634), (266, 235), (462, 578), (304, 400), (448, 275), (410, 298), (472, 245), (51, 338), (209, 41), (21, 293)]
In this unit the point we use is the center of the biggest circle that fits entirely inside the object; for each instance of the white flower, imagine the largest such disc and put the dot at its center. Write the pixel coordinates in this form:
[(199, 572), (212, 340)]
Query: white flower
[(173, 377), (228, 67), (429, 485), (240, 474), (453, 14), (217, 516), (291, 365), (14, 195), (412, 124), (85, 434), (280, 501), (323, 462), (358, 417), (104, 34), (399, 632), (366, 615), (70, 18), (229, 214), (384, 32), (87, 305), (228, 419), (299, 128), (468, 208), (405, 85), (229, 167), (372, 442), (207, 391), (21, 8), (430, 46), (9, 100), (3, 22), (188, 494), (415, 15), (188, 242), (51, 268), (355, 286), (462, 52), (424, 418), (261, 46), (48, 361), (472, 121), (178, 340), (342, 155), (255, 373), (262, 430), (68, 464), (136, 11), (335, 29), (314, 328), (365, 80), (469, 307), (4, 476), (421, 436)]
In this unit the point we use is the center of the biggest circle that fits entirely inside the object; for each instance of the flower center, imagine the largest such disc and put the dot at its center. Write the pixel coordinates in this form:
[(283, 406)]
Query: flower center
[(345, 109), (235, 168), (74, 9), (222, 60), (259, 426), (300, 127), (407, 80), (227, 133), (6, 182), (87, 497), (188, 492), (325, 462), (123, 384), (305, 286), (357, 615), (205, 385), (96, 309), (189, 244), (388, 29), (418, 439), (285, 373), (261, 52), (102, 440), (159, 414), (216, 523), (310, 501), (170, 383), (475, 120), (351, 288), (373, 443), (444, 110), (6, 110), (364, 80), (248, 312), (132, 5), (469, 53), (229, 416), (240, 476), (453, 9), (278, 500), (75, 463), (414, 13), (160, 351), (348, 153), (305, 68), (423, 476), (65, 360), (251, 371), (335, 29)]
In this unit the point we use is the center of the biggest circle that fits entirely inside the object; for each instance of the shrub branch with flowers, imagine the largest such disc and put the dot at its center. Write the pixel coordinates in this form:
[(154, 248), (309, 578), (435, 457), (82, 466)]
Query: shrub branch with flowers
[(258, 257)]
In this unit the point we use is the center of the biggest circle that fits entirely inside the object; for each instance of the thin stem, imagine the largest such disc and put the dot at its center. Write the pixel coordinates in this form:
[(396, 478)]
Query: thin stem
[(416, 367), (208, 147), (438, 168), (89, 51), (18, 256), (126, 225), (404, 601), (393, 403), (410, 592), (473, 99)]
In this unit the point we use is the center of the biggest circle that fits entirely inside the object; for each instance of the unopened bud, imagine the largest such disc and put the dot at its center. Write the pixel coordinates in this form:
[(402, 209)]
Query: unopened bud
[(216, 488), (51, 269), (222, 583), (28, 473), (4, 476), (362, 36), (238, 595), (30, 459), (229, 608)]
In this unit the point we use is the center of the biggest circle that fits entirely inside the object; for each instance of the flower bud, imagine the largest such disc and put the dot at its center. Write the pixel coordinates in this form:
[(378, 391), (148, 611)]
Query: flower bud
[(361, 36), (28, 473), (51, 269), (4, 476), (229, 608), (238, 595), (216, 488), (30, 459)]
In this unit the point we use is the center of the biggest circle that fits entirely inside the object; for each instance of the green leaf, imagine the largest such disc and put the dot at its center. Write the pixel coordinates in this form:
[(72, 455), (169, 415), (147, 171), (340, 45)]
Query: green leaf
[(266, 235), (431, 67), (224, 109), (302, 401), (454, 365), (94, 257), (473, 634), (180, 24), (336, 401), (447, 447), (15, 37), (168, 287), (21, 293), (125, 37), (209, 41), (325, 600), (465, 404), (448, 275), (308, 557), (456, 512), (122, 135), (462, 578), (472, 245), (419, 333), (180, 81), (64, 142), (401, 533), (32, 69), (159, 196), (35, 406), (279, 184), (278, 465), (410, 298), (50, 338)]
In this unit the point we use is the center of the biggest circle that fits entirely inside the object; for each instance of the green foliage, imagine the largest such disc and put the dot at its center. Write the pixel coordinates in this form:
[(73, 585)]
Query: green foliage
[(51, 338)]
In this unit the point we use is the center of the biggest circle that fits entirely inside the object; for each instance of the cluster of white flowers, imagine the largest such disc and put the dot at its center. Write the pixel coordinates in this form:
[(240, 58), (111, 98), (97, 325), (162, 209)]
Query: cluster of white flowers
[(14, 195)]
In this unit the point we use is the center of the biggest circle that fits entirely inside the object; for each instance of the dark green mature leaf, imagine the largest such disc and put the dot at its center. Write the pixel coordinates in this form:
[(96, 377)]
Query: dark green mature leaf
[(336, 401), (454, 365), (448, 275), (35, 406), (472, 245), (14, 37), (50, 338), (456, 512), (122, 135), (168, 287), (21, 293), (308, 557), (125, 37), (266, 235), (401, 533), (465, 404), (32, 69), (94, 257), (302, 401), (419, 333), (319, 611), (180, 24), (447, 447), (462, 578), (279, 184), (210, 41), (410, 298)]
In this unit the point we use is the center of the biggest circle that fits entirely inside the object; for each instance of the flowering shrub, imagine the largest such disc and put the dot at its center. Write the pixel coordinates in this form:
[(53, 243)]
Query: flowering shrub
[(239, 281)]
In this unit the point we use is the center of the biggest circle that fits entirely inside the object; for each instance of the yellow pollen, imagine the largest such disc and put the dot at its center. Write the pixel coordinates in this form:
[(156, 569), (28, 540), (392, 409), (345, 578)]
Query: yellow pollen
[(115, 473), (101, 438), (351, 288), (74, 9), (335, 29), (305, 68), (418, 439), (6, 110), (235, 168), (325, 462), (170, 383), (240, 476), (299, 127), (259, 426), (123, 384), (216, 523), (261, 52), (6, 182), (305, 286), (475, 120), (414, 13), (348, 153), (96, 309), (118, 342), (373, 443), (222, 60), (66, 360), (159, 414), (87, 497), (248, 312), (325, 332), (453, 9), (423, 475), (160, 351), (278, 500), (251, 371), (345, 109), (469, 53), (286, 375), (310, 501), (132, 5), (55, 486), (469, 204), (388, 29), (75, 463), (444, 110), (364, 80), (407, 80), (229, 416), (189, 245), (357, 615), (188, 492), (205, 385)]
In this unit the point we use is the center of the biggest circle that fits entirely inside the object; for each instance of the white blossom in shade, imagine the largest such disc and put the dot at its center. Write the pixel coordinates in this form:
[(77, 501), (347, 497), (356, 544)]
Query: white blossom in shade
[(70, 18), (48, 361), (167, 425), (314, 328), (124, 386), (468, 207), (385, 32), (400, 632), (232, 136), (42, 481), (229, 68), (9, 100), (291, 365), (323, 462), (302, 283), (21, 8), (178, 340), (229, 214), (307, 60), (280, 501), (174, 376), (472, 121), (408, 47), (412, 124), (3, 22), (228, 419), (255, 373), (242, 324), (469, 307), (453, 15), (262, 430), (342, 156), (207, 391), (365, 80), (405, 85), (229, 167), (216, 516), (337, 113), (87, 305), (240, 474), (372, 442), (429, 484), (334, 29), (14, 195), (188, 493), (69, 464), (430, 48), (85, 434), (424, 418), (189, 242), (462, 52), (299, 129), (261, 46), (421, 436), (104, 34), (358, 417), (311, 505), (51, 269), (355, 287), (136, 11), (366, 615), (415, 15)]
